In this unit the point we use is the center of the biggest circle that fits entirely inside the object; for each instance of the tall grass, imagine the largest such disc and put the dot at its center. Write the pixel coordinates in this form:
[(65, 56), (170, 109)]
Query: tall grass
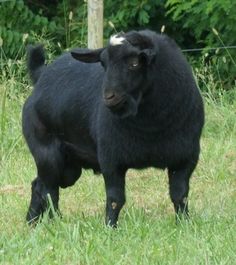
[(147, 233)]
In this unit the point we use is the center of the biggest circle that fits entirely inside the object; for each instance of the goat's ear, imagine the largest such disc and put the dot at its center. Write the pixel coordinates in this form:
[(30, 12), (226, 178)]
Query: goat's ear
[(148, 55), (87, 55)]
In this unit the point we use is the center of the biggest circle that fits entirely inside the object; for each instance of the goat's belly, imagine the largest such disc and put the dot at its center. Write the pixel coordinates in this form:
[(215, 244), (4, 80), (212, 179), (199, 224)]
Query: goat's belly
[(147, 163), (160, 154), (145, 160)]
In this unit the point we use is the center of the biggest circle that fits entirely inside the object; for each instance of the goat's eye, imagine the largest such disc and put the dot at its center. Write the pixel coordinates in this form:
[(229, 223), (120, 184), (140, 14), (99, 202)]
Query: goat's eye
[(133, 63)]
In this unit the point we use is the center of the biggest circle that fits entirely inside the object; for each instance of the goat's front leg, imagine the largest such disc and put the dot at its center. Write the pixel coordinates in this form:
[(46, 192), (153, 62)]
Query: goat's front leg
[(179, 188), (115, 192)]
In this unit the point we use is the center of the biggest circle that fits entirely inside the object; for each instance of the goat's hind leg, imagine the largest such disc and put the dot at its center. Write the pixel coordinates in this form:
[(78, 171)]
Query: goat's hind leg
[(45, 188), (41, 194)]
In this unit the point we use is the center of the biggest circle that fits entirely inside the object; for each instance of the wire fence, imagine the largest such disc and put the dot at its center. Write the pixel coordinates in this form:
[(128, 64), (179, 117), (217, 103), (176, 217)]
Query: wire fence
[(209, 49)]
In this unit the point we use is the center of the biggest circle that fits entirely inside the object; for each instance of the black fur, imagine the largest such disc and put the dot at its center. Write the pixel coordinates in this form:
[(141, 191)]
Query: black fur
[(134, 105)]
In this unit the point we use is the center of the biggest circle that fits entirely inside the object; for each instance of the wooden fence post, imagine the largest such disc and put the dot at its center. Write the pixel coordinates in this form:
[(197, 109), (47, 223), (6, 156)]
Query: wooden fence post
[(95, 24)]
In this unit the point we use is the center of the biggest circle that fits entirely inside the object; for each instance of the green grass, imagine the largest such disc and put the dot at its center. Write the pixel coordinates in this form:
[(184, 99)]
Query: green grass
[(147, 233)]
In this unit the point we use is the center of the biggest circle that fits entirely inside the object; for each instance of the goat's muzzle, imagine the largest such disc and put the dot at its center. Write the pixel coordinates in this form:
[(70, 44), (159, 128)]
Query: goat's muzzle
[(113, 100)]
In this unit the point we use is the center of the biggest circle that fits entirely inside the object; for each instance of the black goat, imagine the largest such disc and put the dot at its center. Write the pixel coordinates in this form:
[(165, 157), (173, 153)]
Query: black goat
[(132, 104)]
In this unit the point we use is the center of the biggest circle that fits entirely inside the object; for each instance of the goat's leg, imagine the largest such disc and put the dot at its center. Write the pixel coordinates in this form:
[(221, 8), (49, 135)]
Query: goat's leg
[(179, 188), (115, 192), (45, 187), (40, 200)]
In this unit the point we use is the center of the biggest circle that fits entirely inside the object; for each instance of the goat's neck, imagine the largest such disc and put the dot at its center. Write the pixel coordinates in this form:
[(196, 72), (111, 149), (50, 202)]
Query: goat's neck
[(159, 109)]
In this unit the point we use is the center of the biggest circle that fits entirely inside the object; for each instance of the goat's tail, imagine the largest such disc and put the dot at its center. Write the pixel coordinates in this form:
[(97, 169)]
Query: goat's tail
[(35, 61)]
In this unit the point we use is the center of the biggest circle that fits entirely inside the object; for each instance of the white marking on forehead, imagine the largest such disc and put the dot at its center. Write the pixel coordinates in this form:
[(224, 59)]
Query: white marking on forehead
[(115, 40)]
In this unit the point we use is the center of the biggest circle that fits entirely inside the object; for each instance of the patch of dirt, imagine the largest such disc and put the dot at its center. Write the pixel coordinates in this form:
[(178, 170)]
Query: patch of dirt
[(15, 189)]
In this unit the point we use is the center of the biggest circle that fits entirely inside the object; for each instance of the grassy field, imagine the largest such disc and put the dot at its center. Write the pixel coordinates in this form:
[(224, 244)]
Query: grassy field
[(147, 233)]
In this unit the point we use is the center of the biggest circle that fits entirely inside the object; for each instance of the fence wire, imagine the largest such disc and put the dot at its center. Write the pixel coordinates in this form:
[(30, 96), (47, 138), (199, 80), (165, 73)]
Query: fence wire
[(208, 49)]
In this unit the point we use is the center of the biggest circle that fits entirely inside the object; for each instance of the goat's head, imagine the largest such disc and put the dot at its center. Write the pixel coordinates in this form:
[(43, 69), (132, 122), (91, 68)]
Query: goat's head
[(126, 60)]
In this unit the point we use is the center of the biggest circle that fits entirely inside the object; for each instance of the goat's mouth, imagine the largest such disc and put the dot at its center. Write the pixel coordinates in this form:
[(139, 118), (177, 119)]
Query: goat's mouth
[(115, 103), (122, 105)]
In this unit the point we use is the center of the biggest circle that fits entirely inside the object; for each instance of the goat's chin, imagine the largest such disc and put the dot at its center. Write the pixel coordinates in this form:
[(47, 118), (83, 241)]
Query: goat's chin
[(128, 109)]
